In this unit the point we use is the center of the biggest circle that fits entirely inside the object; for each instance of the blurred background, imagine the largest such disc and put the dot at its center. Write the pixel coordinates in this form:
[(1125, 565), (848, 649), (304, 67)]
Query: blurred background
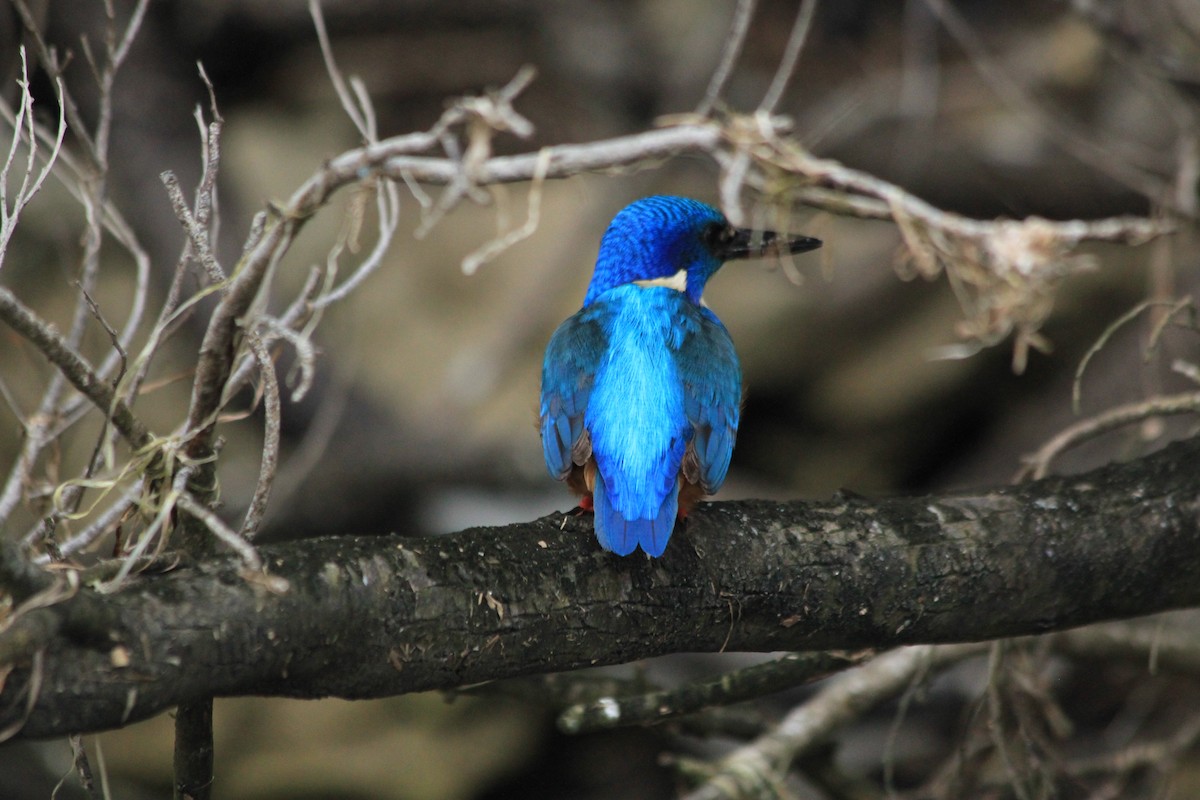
[(422, 416)]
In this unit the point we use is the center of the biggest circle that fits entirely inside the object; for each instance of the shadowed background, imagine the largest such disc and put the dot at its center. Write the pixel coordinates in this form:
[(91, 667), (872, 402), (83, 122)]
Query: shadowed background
[(422, 417)]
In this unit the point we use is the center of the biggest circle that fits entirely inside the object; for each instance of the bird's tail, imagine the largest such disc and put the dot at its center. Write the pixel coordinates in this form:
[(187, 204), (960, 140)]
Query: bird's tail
[(622, 536)]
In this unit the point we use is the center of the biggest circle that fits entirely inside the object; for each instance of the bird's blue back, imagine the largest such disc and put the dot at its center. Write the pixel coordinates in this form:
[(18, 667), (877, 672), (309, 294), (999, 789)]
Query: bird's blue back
[(641, 387)]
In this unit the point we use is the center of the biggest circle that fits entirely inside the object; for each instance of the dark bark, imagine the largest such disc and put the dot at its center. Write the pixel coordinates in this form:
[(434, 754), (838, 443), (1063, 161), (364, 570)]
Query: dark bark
[(193, 765), (371, 617)]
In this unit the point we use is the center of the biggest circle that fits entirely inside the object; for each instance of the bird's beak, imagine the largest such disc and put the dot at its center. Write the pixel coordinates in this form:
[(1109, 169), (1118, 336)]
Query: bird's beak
[(747, 243)]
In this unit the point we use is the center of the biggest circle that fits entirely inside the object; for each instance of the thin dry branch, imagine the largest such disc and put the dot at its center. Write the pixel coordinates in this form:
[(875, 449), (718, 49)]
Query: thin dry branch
[(73, 176), (218, 353), (1005, 272), (73, 367), (103, 524), (1038, 464), (49, 59), (270, 449), (387, 205), (360, 113), (1169, 309), (791, 54), (1158, 755), (743, 12), (55, 414), (220, 530), (760, 765), (789, 671), (25, 128), (197, 231)]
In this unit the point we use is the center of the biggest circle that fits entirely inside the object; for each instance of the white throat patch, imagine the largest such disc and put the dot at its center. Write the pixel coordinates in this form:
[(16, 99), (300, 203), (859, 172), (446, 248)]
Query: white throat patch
[(678, 281)]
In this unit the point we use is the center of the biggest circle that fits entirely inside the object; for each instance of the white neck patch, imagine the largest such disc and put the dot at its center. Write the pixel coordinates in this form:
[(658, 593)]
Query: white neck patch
[(678, 281)]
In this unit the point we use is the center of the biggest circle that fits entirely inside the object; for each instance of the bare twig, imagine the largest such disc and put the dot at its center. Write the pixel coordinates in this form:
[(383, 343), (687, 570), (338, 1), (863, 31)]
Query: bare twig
[(1173, 308), (218, 352), (54, 67), (762, 762), (359, 112), (862, 187), (1038, 464), (792, 670), (101, 525), (270, 449), (1005, 272), (198, 235), (210, 141), (72, 175), (71, 365), (501, 243), (995, 719), (743, 12), (791, 54), (482, 117), (201, 223), (72, 493), (296, 325), (220, 530), (83, 767), (387, 202), (32, 179), (117, 49), (25, 129), (53, 414), (1156, 755)]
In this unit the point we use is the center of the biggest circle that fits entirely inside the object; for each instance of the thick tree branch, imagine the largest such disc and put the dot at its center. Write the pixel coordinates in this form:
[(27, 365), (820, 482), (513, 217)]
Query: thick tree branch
[(370, 617)]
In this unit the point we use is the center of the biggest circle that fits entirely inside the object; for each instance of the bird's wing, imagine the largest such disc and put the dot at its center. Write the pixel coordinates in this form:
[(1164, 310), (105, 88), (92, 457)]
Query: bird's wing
[(712, 395), (568, 374)]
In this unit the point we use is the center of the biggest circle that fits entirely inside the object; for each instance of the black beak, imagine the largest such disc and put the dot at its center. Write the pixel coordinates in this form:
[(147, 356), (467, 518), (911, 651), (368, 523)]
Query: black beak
[(746, 243)]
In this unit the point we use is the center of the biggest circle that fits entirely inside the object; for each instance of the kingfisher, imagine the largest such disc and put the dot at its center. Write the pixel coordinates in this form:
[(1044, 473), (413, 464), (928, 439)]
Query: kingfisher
[(641, 388)]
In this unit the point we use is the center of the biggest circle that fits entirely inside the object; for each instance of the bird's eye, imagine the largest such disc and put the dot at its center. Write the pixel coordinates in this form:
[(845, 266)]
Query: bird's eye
[(716, 236)]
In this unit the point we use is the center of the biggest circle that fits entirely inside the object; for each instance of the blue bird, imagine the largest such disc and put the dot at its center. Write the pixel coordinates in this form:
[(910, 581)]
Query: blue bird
[(641, 389)]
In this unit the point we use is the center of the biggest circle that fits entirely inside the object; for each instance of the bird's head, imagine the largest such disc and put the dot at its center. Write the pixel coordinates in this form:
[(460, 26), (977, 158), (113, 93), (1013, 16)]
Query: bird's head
[(678, 242)]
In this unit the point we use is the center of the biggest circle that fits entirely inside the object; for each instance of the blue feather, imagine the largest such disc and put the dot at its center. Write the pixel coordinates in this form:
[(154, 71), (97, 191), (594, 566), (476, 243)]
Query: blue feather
[(568, 375), (712, 380), (622, 536), (635, 413)]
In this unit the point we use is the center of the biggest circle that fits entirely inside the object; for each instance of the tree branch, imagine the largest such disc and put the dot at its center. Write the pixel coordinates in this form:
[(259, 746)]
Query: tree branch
[(748, 683), (376, 616), (52, 345), (755, 768)]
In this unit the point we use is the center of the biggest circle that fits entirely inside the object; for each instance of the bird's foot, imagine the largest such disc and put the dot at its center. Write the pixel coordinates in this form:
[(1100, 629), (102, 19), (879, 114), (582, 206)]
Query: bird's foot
[(585, 507)]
